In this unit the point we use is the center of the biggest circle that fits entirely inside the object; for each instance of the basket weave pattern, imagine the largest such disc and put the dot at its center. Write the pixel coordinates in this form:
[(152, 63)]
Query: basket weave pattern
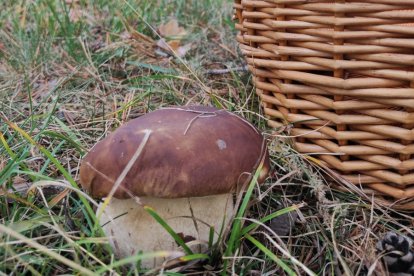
[(341, 73)]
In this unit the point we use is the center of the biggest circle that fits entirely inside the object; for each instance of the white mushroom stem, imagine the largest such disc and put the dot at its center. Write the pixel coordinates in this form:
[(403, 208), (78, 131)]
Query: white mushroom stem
[(131, 229)]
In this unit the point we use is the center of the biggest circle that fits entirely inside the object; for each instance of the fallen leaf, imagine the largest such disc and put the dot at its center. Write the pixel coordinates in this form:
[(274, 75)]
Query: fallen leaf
[(173, 47), (174, 44), (162, 44), (181, 51), (283, 224), (55, 200), (140, 36), (171, 36), (172, 30)]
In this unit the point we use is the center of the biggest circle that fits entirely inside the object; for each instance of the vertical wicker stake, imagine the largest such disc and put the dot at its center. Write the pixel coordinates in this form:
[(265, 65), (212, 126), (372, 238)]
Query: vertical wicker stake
[(404, 156), (339, 73), (364, 110), (282, 42)]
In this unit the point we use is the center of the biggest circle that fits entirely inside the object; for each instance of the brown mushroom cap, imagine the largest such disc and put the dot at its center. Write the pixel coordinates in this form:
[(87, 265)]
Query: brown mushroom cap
[(191, 151)]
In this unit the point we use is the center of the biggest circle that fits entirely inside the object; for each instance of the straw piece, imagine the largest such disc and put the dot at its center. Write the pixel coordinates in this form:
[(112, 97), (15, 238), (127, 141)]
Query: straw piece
[(349, 48), (342, 21), (287, 12), (348, 7), (396, 2), (346, 64), (291, 36), (288, 65), (256, 4), (396, 59), (332, 34)]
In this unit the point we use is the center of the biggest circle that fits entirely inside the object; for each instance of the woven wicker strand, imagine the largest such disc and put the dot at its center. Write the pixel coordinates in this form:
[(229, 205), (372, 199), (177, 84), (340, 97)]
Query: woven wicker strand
[(342, 74)]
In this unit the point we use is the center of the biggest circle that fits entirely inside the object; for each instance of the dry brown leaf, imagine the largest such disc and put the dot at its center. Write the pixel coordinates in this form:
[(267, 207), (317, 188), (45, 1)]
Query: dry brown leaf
[(174, 44), (283, 224), (163, 44), (55, 200), (181, 51), (172, 30), (170, 43), (173, 47), (140, 36)]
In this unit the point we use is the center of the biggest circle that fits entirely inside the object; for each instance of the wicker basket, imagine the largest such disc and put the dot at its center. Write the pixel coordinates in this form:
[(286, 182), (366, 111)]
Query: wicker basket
[(341, 73)]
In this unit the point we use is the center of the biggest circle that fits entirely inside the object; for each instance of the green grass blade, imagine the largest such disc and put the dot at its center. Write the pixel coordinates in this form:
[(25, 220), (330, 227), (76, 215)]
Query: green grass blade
[(252, 226), (168, 228), (235, 233), (270, 254), (37, 175), (6, 146), (65, 138), (210, 237), (157, 69), (59, 166), (44, 250), (30, 224), (193, 257)]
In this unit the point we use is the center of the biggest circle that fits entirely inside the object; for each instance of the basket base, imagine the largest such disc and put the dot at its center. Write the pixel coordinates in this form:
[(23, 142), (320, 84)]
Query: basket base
[(365, 192)]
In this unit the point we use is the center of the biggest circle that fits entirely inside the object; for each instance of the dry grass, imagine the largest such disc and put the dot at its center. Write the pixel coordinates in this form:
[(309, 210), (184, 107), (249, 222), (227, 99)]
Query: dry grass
[(72, 71)]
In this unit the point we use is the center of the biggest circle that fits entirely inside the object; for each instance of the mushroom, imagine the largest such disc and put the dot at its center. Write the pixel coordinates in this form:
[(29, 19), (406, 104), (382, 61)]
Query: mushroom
[(190, 162)]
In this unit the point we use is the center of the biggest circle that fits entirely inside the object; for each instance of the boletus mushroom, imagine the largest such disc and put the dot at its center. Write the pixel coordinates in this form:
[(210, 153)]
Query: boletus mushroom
[(192, 161)]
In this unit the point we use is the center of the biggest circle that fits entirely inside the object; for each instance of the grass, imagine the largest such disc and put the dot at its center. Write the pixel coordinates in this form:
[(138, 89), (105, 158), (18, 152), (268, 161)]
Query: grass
[(72, 71)]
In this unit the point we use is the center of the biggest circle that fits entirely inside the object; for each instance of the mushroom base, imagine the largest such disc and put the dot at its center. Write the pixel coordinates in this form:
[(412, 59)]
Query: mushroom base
[(131, 229)]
